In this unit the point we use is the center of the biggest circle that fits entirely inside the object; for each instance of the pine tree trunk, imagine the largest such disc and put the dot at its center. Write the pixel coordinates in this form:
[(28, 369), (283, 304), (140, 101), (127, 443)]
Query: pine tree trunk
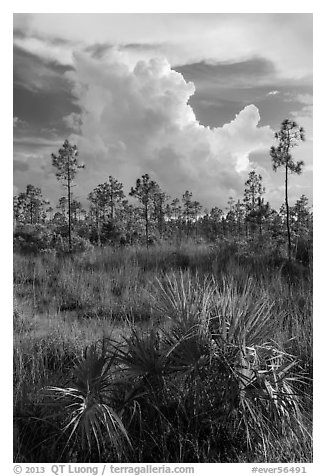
[(98, 225), (69, 207), (146, 223), (98, 232), (287, 213), (187, 223), (111, 207)]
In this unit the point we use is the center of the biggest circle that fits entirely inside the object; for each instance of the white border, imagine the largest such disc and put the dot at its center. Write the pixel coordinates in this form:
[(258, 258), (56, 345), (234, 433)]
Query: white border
[(319, 200)]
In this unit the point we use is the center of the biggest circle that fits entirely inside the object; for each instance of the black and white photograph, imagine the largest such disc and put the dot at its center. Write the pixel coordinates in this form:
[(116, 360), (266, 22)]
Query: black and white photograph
[(162, 239)]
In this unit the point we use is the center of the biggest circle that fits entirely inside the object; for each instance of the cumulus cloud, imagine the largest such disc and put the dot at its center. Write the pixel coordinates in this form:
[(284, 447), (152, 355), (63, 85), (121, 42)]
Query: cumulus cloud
[(136, 119)]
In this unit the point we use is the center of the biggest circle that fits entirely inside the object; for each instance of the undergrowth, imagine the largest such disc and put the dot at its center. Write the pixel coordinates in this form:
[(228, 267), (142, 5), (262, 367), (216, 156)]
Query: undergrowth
[(165, 355)]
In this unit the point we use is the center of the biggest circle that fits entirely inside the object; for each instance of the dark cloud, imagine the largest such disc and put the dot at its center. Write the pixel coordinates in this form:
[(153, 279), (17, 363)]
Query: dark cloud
[(98, 50), (223, 89), (143, 46), (44, 109), (35, 74), (42, 96), (225, 75)]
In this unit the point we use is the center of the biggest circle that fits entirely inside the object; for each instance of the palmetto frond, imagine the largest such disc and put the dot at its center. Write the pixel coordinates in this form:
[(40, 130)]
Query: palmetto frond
[(87, 405), (141, 355), (183, 298), (241, 316)]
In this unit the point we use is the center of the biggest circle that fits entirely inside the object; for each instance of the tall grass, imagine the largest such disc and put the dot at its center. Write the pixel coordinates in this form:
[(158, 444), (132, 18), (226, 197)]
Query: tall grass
[(191, 363)]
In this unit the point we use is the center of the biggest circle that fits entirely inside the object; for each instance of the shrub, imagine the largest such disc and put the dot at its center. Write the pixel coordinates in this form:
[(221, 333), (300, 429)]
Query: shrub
[(31, 239)]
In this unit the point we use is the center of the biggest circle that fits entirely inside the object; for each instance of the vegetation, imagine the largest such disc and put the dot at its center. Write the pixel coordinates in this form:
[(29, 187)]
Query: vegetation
[(160, 332), (289, 136), (161, 355), (66, 164)]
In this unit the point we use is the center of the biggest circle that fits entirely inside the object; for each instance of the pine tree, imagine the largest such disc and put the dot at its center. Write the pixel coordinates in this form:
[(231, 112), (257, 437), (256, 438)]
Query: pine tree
[(253, 193), (144, 192), (66, 163), (160, 209), (115, 195), (288, 137), (187, 208), (29, 205)]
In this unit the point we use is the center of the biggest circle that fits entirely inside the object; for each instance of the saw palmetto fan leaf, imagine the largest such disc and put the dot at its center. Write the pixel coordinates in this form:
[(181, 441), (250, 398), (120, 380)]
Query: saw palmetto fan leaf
[(90, 421)]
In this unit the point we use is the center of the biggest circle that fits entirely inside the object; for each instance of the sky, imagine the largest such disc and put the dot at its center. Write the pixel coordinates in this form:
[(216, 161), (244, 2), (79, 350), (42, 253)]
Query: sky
[(192, 99)]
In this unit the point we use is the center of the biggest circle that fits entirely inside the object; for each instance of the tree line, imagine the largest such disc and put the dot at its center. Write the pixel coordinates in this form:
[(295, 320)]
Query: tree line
[(153, 215)]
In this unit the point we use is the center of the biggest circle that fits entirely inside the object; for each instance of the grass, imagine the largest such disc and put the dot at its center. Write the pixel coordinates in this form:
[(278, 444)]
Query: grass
[(166, 355)]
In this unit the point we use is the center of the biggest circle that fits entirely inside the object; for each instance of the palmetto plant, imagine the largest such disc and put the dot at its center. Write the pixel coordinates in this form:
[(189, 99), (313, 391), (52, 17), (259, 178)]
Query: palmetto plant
[(86, 406), (221, 337), (242, 316), (210, 372), (143, 360), (187, 303), (268, 405), (183, 299)]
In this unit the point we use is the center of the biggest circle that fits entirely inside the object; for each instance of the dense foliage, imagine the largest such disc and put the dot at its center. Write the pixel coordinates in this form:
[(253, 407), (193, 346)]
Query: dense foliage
[(111, 219)]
